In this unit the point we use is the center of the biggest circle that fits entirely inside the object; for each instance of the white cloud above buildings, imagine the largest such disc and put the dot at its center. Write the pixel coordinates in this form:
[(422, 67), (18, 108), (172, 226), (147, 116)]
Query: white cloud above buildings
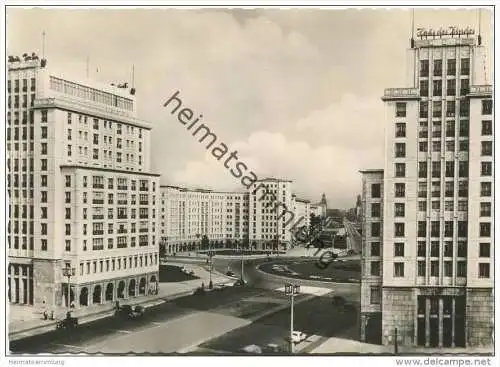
[(297, 93)]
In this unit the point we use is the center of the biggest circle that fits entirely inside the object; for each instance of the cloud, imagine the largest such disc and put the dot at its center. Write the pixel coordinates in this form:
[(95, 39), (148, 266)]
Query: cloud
[(332, 169), (353, 122)]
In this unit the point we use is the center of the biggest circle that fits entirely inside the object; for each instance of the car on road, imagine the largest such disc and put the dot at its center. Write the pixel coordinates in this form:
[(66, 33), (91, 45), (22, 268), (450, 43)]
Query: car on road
[(130, 312), (271, 348), (239, 283), (187, 271), (229, 273), (254, 349), (298, 336), (219, 287)]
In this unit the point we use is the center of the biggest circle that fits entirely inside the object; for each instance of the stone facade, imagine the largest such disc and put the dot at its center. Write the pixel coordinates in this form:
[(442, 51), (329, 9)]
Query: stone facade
[(480, 317), (398, 305)]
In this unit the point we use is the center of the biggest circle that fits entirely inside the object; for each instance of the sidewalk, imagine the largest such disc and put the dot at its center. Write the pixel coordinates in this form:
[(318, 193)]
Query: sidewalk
[(346, 343), (25, 321)]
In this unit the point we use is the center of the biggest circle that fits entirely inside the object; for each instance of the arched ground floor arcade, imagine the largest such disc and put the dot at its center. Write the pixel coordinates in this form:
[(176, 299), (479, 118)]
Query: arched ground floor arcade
[(110, 290)]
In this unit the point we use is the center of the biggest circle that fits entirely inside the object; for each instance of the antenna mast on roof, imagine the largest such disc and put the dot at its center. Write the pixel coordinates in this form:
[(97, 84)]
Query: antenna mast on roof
[(412, 41), (43, 45), (479, 30), (87, 67), (133, 70)]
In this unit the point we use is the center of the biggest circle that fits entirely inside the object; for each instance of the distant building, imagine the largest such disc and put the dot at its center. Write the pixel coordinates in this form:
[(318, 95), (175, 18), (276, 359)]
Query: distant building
[(258, 219)]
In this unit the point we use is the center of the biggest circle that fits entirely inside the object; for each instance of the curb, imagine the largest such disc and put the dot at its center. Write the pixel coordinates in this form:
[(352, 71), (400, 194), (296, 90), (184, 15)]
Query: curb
[(46, 328), (307, 280)]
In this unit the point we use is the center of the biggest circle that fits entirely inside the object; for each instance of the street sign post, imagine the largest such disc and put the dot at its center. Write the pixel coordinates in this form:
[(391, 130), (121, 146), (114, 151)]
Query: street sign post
[(291, 290)]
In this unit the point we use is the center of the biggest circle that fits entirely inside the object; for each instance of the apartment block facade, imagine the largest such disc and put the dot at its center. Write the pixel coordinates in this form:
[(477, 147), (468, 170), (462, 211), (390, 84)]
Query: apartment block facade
[(437, 221), (80, 191), (258, 219)]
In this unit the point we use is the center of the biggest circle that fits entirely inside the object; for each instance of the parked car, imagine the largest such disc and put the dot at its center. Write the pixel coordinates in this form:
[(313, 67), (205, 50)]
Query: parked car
[(130, 312), (239, 283), (68, 323), (272, 348), (298, 336), (229, 273)]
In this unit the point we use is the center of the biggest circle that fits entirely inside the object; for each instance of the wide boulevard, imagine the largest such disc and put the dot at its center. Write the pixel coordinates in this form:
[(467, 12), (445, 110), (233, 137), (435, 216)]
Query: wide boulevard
[(223, 321)]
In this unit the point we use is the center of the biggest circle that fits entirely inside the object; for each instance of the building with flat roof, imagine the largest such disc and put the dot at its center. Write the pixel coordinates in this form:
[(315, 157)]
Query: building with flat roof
[(257, 219), (434, 272), (81, 194)]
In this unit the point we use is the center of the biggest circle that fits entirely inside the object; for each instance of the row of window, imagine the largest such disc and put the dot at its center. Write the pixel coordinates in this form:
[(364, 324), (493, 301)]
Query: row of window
[(437, 88), (24, 103), (423, 147), (451, 67), (116, 264), (435, 250), (486, 108), (16, 89), (27, 115), (91, 94), (486, 129), (462, 228), (461, 269), (399, 208)]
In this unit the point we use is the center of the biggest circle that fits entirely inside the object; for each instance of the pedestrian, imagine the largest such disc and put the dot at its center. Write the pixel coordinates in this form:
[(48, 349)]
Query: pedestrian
[(52, 315), (72, 304), (45, 315)]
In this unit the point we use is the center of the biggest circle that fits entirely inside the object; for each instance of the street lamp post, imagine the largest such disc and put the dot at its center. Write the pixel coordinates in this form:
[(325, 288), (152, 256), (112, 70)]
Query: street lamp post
[(210, 284), (291, 290), (242, 257), (68, 272)]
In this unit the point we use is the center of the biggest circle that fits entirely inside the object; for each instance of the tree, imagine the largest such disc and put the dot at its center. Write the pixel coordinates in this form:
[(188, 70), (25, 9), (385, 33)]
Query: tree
[(163, 249)]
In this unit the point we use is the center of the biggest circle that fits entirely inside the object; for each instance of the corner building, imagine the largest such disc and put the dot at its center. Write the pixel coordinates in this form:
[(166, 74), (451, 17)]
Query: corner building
[(437, 221), (80, 191)]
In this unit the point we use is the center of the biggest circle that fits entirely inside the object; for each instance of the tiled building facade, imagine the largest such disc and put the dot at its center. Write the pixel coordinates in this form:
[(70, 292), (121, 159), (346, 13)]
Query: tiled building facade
[(437, 254), (80, 192)]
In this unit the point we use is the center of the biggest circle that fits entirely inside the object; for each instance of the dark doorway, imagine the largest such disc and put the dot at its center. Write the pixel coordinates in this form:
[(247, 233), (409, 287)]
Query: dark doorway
[(373, 330)]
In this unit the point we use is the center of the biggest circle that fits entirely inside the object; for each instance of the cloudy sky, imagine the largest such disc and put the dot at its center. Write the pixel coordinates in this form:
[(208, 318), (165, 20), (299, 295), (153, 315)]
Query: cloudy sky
[(295, 92)]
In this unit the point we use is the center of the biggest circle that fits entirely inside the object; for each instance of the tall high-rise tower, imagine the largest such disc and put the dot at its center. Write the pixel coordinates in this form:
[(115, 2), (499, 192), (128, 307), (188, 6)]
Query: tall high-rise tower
[(434, 274), (80, 192)]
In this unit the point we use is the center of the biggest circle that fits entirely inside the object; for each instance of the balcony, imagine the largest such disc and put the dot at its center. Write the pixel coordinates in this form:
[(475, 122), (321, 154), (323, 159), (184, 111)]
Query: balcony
[(143, 216), (122, 187), (481, 91), (98, 233), (121, 230), (98, 186), (435, 194), (98, 216), (97, 201), (422, 194), (122, 202), (423, 134), (142, 230), (143, 202), (400, 93)]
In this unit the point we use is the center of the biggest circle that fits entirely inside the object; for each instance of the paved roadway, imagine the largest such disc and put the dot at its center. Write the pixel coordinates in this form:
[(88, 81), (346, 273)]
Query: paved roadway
[(184, 323), (353, 236)]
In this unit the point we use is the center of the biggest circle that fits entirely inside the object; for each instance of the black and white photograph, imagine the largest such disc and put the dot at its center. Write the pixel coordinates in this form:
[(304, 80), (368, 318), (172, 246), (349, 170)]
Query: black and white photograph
[(249, 181)]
